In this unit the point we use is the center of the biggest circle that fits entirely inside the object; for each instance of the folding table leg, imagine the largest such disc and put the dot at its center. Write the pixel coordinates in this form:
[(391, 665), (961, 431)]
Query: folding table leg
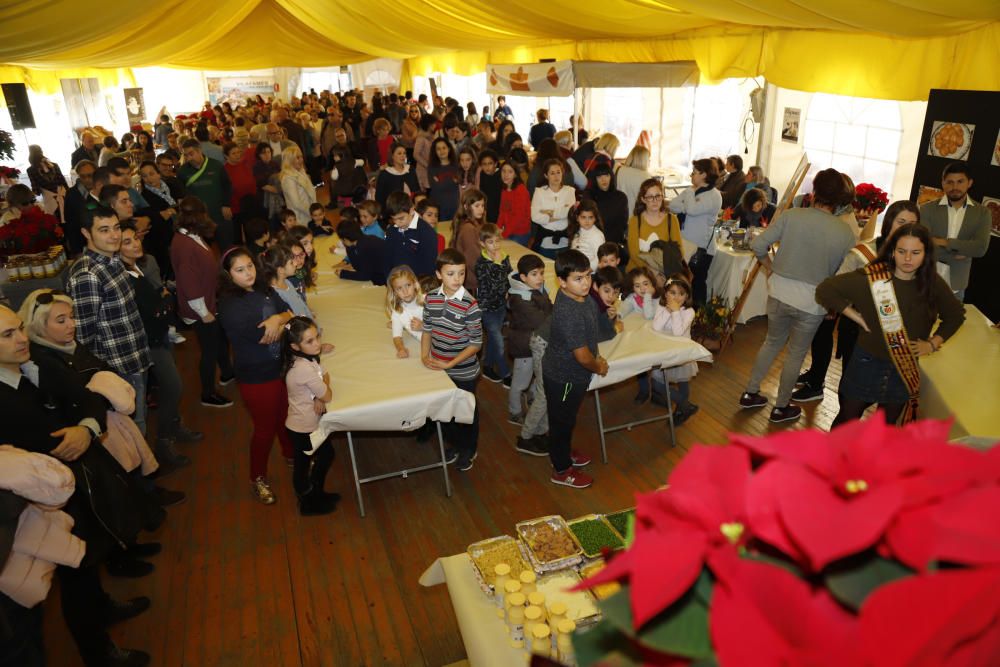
[(670, 416), (600, 424), (444, 462), (354, 469)]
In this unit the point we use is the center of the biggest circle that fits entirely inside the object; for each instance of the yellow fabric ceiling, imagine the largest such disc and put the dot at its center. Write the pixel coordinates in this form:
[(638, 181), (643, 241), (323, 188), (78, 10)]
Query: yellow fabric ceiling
[(896, 49)]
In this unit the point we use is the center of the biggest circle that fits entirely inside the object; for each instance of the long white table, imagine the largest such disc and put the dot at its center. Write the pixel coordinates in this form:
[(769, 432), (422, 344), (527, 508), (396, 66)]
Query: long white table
[(962, 380), (727, 275)]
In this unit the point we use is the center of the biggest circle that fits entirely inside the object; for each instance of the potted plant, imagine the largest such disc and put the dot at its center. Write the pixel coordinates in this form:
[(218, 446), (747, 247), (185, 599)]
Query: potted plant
[(710, 323), (869, 545)]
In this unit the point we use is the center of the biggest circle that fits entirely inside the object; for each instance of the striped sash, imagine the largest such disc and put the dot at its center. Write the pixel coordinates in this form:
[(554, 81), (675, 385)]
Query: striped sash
[(896, 340)]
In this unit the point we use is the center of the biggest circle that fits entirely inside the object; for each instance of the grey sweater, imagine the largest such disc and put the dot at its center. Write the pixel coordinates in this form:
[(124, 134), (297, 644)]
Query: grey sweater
[(813, 244)]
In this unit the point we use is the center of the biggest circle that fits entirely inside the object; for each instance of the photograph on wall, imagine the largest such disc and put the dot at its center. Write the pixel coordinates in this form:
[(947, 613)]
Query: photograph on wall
[(993, 206), (928, 193), (951, 140), (996, 152), (790, 125), (135, 106)]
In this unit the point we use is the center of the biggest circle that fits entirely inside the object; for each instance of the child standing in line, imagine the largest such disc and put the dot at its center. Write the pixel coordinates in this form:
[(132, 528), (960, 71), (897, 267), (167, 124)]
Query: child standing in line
[(404, 304), (368, 212), (674, 316), (409, 240), (309, 391), (529, 307), (643, 299), (466, 169), (606, 292), (492, 273), (318, 224), (585, 230), (454, 335), (489, 183), (570, 360), (514, 216), (465, 232), (609, 254)]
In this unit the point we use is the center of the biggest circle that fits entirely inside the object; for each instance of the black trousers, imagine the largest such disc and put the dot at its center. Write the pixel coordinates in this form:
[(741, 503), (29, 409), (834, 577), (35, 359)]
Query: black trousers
[(699, 265), (21, 642), (84, 604), (214, 351), (822, 348), (309, 471), (464, 437), (564, 401)]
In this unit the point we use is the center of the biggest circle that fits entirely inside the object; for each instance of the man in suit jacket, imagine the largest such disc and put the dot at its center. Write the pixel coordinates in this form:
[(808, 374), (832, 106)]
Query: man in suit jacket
[(293, 130), (735, 184), (87, 151), (76, 205), (959, 227)]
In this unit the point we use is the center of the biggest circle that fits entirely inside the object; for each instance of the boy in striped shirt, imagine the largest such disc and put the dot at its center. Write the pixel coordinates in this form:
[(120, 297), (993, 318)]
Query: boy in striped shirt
[(453, 336)]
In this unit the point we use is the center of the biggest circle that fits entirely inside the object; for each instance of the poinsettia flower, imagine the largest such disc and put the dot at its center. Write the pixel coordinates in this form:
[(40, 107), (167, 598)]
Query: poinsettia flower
[(836, 493), (949, 617), (964, 528), (765, 615), (701, 518)]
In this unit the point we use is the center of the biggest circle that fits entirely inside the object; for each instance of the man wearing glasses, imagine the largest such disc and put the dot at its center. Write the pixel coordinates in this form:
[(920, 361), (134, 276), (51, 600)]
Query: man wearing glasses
[(166, 164), (276, 140)]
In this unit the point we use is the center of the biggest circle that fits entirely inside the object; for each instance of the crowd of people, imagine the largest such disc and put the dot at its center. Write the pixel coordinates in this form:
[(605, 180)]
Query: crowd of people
[(207, 223)]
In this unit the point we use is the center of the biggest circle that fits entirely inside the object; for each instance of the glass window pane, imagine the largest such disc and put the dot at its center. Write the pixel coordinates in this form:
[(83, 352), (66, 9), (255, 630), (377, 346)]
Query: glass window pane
[(818, 135), (883, 144), (851, 165), (881, 174), (850, 139)]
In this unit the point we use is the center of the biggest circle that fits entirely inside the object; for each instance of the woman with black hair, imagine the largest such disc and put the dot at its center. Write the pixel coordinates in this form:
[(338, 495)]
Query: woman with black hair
[(753, 209), (443, 175), (613, 205), (895, 301)]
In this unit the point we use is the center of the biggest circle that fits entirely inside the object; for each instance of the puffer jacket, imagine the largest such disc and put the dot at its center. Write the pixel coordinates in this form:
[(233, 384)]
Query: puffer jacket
[(528, 310)]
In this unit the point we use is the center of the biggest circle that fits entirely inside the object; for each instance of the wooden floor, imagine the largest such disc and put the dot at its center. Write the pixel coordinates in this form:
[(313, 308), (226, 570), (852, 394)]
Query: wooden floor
[(242, 584)]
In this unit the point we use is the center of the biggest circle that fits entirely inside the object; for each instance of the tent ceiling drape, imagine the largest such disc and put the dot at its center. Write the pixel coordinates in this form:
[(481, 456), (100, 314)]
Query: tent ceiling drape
[(894, 48)]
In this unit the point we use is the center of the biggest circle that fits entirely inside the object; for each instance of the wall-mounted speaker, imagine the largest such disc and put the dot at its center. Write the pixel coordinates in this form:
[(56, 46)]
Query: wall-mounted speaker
[(16, 96)]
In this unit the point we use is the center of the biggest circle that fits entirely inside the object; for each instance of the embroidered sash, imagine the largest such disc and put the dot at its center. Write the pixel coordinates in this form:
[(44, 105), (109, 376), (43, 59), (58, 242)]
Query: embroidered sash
[(896, 339)]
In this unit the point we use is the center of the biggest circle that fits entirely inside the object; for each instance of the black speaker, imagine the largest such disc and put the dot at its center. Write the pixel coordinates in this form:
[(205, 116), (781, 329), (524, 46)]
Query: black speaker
[(16, 96)]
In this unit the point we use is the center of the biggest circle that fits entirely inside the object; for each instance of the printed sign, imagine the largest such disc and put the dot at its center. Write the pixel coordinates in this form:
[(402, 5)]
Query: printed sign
[(236, 90), (540, 79)]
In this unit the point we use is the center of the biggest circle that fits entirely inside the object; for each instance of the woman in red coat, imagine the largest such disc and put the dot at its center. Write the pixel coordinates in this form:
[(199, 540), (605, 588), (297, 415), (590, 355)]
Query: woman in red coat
[(240, 173)]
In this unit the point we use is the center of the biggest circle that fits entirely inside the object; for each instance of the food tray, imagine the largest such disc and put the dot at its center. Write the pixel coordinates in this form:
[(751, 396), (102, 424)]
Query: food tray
[(570, 555), (602, 529), (483, 562), (619, 520), (602, 591), (581, 606)]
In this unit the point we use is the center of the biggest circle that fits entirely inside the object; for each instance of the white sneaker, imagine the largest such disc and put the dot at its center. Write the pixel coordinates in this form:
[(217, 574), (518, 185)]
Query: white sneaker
[(173, 336)]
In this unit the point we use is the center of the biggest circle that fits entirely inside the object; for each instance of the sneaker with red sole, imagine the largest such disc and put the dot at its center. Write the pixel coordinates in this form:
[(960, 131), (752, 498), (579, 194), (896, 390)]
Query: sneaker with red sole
[(579, 459), (572, 478)]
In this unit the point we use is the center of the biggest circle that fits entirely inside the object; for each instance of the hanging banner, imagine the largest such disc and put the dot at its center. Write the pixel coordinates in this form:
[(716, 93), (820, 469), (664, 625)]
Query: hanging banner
[(135, 106), (538, 79), (236, 89)]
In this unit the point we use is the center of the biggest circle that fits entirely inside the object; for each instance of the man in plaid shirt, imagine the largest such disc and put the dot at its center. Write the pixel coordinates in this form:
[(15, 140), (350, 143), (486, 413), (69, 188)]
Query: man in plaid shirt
[(107, 319)]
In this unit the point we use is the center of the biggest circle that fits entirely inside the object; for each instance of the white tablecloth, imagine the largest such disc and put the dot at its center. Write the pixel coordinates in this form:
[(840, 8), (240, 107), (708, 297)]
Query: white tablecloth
[(962, 380), (483, 632), (727, 275)]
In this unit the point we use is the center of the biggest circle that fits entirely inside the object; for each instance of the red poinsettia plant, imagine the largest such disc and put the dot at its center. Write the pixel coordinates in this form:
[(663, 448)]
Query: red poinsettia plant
[(868, 545), (35, 231), (868, 197)]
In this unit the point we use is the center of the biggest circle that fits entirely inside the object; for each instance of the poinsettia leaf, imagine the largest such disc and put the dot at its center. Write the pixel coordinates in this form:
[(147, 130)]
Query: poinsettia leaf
[(681, 629), (852, 580), (604, 644), (703, 587), (710, 661), (784, 564)]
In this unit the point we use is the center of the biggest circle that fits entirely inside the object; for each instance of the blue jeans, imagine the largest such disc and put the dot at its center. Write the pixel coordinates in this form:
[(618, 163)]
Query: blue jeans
[(138, 382), (495, 357)]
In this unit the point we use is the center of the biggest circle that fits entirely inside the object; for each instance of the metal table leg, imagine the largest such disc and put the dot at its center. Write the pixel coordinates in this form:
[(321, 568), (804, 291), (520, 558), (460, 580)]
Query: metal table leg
[(600, 425), (444, 463), (354, 469)]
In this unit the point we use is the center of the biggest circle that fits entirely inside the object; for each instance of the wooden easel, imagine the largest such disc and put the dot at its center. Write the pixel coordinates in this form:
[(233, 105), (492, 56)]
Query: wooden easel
[(786, 203)]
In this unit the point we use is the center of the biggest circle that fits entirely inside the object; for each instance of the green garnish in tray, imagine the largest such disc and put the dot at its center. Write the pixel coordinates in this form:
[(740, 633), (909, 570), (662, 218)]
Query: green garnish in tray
[(619, 520), (594, 535)]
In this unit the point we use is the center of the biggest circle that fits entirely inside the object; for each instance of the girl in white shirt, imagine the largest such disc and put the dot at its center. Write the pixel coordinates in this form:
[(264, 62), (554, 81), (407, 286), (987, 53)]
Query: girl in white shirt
[(550, 206), (585, 230), (404, 304), (674, 316)]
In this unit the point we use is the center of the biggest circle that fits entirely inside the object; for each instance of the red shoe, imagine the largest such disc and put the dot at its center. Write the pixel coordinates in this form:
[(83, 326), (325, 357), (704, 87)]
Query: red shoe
[(572, 478), (579, 459)]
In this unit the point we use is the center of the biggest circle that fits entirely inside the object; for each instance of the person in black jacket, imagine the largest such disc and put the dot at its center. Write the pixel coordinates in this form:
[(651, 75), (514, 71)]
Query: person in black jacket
[(365, 254), (613, 205), (41, 415), (753, 209), (162, 198), (75, 206), (735, 184), (409, 239)]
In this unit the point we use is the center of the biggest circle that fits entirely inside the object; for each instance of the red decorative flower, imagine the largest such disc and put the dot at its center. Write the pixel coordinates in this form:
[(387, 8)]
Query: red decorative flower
[(867, 197), (767, 616), (33, 232), (950, 617), (701, 518), (727, 214)]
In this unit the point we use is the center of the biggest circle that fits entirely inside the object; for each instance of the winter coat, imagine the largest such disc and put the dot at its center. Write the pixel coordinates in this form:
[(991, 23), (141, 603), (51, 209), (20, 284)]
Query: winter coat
[(528, 310)]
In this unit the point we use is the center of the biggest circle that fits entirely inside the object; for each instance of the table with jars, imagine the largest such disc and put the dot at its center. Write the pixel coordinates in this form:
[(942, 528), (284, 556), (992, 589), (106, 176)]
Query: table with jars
[(512, 597), (20, 275)]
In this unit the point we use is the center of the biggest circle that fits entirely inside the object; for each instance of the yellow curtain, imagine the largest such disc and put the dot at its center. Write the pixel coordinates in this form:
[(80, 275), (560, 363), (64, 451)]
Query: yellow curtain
[(877, 48)]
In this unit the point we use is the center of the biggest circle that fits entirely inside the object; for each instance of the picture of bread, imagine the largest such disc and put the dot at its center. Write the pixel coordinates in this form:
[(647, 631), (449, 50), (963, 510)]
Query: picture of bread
[(519, 80), (993, 206), (996, 152), (553, 77), (951, 140), (927, 193)]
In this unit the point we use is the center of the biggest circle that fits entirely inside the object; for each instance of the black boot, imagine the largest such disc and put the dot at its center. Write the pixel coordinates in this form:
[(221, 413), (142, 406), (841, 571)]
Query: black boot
[(317, 503)]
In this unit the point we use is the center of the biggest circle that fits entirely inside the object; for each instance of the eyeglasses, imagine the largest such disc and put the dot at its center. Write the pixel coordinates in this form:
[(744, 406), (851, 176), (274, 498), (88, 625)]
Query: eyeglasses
[(298, 255), (653, 198)]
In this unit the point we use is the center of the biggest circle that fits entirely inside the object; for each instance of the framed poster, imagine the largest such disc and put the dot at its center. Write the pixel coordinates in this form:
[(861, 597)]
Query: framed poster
[(790, 125), (236, 89), (135, 106)]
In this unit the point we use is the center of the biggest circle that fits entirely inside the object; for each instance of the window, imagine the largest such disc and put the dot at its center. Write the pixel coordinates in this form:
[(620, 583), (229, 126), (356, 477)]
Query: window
[(716, 119), (855, 135), (623, 116)]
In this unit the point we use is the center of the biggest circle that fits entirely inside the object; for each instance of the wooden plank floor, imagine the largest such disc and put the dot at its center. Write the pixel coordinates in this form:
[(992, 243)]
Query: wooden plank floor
[(242, 584)]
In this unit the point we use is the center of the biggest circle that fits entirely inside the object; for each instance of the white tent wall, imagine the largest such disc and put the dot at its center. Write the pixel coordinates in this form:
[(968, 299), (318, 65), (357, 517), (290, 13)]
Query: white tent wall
[(779, 158)]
